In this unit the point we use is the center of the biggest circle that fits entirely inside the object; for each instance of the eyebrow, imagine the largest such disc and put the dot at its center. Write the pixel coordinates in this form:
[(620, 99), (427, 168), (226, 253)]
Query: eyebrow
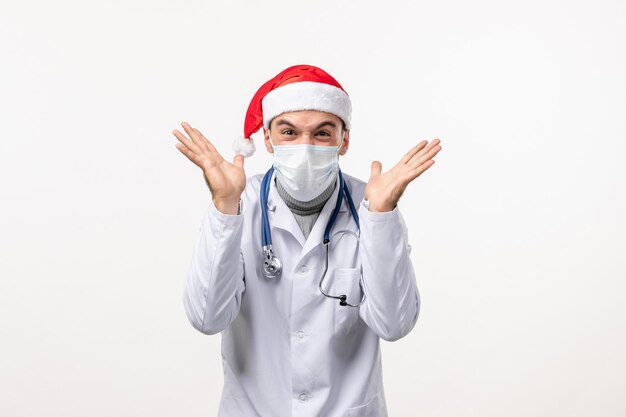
[(326, 123), (283, 122), (319, 126)]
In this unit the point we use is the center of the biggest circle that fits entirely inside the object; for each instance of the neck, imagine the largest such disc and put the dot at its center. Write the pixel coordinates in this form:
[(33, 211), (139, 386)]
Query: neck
[(304, 208)]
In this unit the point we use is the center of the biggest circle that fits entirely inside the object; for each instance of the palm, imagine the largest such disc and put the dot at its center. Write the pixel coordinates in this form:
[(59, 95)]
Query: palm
[(225, 180), (384, 190)]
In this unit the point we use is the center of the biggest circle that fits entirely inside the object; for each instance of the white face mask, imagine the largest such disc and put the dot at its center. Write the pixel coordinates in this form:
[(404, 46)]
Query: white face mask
[(305, 171)]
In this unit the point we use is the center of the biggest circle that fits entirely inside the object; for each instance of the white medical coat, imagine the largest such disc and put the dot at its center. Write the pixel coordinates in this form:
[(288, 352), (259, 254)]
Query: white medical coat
[(287, 350)]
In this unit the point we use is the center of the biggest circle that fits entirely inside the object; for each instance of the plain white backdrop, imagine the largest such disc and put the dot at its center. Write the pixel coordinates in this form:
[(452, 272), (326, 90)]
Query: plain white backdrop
[(518, 230)]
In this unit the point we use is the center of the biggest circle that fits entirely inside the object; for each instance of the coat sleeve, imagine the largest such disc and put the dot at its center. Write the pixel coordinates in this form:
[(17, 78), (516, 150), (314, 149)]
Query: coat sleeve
[(392, 300), (215, 281)]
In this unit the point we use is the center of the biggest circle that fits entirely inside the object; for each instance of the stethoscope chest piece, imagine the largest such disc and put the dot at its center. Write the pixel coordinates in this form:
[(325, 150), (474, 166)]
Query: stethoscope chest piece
[(272, 267)]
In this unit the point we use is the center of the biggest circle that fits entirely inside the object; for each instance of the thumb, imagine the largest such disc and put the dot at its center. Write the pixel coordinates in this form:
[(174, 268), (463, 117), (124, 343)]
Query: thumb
[(238, 161), (376, 168)]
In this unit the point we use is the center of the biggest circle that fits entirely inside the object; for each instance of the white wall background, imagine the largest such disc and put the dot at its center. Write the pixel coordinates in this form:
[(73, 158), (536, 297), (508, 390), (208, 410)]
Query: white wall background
[(519, 229)]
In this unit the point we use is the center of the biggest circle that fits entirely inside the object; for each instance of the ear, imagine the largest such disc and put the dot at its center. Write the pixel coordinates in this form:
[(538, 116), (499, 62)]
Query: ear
[(346, 142), (268, 144)]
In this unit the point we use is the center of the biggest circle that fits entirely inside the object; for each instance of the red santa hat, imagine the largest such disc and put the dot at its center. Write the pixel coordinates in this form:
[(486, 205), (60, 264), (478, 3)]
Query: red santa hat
[(300, 87)]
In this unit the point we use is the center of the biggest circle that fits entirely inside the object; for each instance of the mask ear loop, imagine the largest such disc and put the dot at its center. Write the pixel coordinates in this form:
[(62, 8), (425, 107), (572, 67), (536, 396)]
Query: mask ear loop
[(341, 144), (269, 136)]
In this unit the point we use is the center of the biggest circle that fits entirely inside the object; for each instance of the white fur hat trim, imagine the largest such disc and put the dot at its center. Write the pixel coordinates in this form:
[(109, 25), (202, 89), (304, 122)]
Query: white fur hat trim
[(244, 146), (306, 95)]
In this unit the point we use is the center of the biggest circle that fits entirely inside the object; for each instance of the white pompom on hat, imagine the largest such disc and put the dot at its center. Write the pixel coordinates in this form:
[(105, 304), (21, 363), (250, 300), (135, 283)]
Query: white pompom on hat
[(300, 87)]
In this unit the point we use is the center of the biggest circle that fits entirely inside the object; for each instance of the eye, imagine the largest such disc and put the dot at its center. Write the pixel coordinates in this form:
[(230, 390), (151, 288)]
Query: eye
[(324, 133), (287, 132)]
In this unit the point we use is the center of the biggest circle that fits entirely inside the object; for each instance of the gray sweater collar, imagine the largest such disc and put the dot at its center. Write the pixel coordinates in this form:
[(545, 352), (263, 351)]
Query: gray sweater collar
[(305, 208)]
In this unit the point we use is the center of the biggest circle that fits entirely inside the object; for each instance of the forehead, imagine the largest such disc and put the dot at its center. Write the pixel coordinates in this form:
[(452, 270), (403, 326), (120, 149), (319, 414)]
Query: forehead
[(305, 119)]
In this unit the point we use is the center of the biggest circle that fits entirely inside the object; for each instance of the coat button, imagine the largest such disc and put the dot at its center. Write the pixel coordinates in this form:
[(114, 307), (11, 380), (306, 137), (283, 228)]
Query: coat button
[(300, 335), (303, 269), (304, 397)]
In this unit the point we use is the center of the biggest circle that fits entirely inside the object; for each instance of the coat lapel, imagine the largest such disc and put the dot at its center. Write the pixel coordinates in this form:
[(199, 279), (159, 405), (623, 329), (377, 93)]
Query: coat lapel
[(279, 215)]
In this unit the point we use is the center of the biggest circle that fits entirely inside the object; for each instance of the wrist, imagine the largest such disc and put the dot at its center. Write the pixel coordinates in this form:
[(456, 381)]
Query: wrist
[(227, 206), (381, 209), (380, 206)]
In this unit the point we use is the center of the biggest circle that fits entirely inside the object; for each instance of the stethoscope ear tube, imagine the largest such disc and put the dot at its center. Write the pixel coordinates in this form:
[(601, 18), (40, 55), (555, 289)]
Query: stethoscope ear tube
[(266, 238), (342, 298)]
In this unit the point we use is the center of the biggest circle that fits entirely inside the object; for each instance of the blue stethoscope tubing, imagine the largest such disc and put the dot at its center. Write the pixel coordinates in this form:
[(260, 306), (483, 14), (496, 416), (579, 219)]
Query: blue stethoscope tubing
[(266, 237), (271, 264)]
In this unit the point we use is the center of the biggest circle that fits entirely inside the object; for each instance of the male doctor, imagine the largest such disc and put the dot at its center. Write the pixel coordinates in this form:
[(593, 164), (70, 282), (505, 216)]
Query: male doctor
[(304, 269)]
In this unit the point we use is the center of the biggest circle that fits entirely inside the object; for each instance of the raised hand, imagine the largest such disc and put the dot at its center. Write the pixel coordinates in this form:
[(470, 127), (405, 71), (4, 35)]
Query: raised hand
[(384, 190), (225, 180)]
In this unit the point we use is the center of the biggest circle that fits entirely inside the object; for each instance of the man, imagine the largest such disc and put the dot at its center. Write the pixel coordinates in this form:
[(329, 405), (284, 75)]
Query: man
[(301, 308)]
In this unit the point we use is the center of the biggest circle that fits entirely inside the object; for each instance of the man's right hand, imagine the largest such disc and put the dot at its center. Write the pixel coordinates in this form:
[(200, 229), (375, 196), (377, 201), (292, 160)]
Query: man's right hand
[(225, 180)]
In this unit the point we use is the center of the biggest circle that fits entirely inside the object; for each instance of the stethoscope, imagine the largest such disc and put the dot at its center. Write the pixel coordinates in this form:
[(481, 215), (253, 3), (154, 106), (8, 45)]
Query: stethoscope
[(272, 266)]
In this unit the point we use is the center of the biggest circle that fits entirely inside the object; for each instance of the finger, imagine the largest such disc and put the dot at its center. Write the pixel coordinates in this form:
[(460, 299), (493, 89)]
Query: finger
[(433, 144), (428, 147), (376, 169), (417, 161), (420, 158), (185, 141), (413, 151), (188, 153), (420, 169), (206, 141), (238, 161), (193, 135)]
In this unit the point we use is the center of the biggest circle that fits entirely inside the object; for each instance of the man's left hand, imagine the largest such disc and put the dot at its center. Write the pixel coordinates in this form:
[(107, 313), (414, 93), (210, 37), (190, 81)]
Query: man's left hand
[(384, 190)]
